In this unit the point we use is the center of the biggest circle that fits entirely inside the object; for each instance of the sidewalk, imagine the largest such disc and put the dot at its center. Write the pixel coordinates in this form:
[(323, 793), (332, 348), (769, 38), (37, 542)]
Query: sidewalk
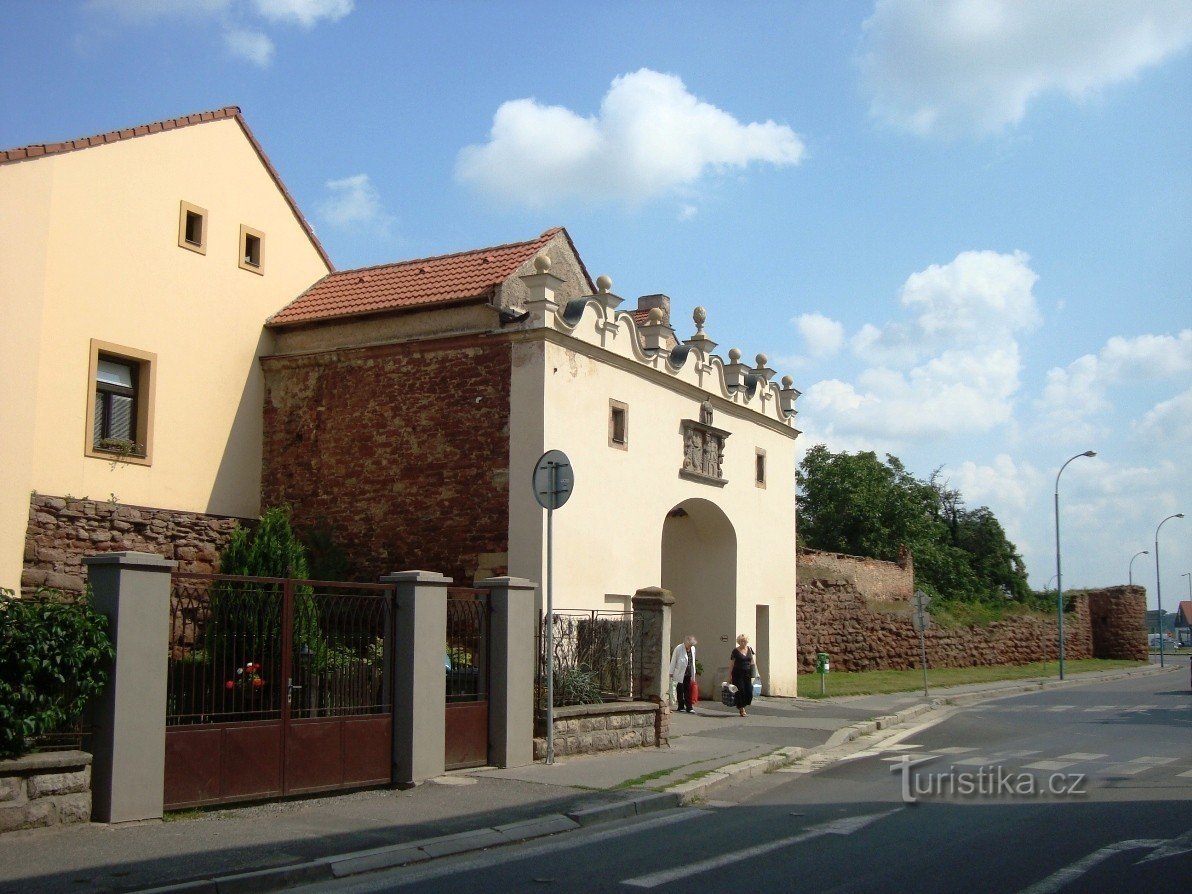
[(294, 841)]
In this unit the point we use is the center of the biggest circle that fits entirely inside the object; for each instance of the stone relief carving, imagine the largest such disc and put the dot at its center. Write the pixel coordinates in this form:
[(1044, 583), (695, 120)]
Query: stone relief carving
[(703, 448)]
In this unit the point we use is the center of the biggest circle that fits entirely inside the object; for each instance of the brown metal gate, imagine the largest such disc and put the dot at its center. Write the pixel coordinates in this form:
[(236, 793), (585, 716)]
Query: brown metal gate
[(467, 668), (276, 687)]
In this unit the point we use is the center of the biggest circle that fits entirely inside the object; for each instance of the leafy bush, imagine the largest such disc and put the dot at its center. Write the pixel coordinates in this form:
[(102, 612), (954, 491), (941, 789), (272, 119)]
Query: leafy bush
[(53, 658)]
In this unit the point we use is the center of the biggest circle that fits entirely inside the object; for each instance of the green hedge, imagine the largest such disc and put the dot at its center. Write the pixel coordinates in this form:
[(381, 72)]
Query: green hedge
[(53, 659)]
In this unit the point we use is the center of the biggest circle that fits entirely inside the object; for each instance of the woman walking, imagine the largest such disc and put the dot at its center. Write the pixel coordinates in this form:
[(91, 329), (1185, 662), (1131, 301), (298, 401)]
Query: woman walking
[(741, 673)]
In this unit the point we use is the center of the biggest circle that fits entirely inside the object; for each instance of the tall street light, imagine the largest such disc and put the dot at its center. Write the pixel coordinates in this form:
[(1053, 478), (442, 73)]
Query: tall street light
[(1158, 586), (1141, 552), (1059, 578)]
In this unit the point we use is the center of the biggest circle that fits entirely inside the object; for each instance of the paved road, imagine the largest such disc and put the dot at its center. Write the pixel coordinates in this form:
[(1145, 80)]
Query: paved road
[(1083, 789)]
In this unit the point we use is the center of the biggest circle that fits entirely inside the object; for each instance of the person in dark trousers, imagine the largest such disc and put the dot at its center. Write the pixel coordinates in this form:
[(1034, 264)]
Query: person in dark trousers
[(741, 664), (681, 671)]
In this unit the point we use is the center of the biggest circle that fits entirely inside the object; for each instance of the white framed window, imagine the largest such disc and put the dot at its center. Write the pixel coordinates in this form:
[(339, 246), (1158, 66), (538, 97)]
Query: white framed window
[(618, 425), (759, 468)]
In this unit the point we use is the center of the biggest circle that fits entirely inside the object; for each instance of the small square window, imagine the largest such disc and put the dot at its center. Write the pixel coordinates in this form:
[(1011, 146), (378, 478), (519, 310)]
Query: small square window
[(618, 425), (252, 249), (192, 227), (759, 473), (120, 403)]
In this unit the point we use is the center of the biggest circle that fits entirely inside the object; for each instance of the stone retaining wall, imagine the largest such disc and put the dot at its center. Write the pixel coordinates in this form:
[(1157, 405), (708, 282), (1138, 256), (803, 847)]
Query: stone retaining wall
[(872, 577), (51, 789), (62, 530), (586, 729), (861, 634), (1118, 618)]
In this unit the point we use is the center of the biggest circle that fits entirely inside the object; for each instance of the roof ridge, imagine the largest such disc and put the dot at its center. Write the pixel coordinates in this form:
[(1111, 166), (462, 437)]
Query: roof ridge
[(545, 236), (37, 150)]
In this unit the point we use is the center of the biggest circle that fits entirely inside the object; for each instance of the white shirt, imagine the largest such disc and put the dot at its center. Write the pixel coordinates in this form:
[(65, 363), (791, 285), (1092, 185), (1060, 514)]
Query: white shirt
[(678, 665)]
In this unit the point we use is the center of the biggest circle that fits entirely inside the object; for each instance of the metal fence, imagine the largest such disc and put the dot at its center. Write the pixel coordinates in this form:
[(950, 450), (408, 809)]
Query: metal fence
[(595, 657), (240, 647), (467, 645)]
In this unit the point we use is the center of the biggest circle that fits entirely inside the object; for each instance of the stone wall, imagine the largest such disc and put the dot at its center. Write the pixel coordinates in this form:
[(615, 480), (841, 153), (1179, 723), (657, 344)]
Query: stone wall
[(867, 634), (51, 789), (1118, 619), (872, 577), (399, 453), (586, 729), (62, 530)]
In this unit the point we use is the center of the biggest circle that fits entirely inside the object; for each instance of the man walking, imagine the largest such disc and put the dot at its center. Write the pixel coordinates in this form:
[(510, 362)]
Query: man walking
[(682, 669)]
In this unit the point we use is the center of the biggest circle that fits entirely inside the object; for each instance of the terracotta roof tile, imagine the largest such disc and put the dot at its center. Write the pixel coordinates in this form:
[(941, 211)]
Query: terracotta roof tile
[(445, 279), (38, 150)]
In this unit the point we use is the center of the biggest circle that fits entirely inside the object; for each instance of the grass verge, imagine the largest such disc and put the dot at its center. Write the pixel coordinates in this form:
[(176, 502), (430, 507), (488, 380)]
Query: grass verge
[(878, 682)]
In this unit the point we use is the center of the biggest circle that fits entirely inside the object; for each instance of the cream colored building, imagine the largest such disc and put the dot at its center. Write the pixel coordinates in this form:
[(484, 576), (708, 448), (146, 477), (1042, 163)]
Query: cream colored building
[(438, 384), (136, 270)]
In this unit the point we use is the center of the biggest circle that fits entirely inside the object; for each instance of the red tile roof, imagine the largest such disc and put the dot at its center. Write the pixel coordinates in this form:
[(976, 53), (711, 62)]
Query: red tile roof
[(39, 150), (1185, 609), (445, 279)]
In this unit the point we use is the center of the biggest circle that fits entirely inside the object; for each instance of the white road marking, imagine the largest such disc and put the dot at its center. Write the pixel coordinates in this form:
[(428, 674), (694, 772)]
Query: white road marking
[(1048, 765), (1082, 756), (901, 747), (1159, 847), (836, 827), (1061, 707), (1185, 773), (1153, 761), (1095, 708), (955, 749), (1026, 752), (973, 762)]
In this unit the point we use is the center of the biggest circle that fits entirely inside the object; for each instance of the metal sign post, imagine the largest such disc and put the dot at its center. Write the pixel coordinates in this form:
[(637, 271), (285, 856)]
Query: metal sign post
[(921, 620), (554, 480)]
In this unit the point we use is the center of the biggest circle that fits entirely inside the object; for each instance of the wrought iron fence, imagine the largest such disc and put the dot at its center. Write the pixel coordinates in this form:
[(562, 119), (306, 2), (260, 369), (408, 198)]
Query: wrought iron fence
[(466, 659), (241, 646), (595, 657)]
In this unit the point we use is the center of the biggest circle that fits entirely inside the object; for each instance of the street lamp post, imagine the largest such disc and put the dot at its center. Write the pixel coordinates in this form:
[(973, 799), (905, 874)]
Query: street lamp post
[(1059, 578), (1158, 585), (1141, 552)]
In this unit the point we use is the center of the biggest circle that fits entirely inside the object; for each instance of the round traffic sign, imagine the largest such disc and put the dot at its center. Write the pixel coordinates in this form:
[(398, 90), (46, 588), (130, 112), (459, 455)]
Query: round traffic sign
[(554, 479)]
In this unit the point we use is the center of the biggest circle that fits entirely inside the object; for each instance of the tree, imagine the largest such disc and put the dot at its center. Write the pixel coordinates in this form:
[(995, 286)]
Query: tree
[(857, 504)]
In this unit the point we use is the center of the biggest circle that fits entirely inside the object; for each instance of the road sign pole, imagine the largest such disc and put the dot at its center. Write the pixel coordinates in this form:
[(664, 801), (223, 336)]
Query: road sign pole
[(550, 630), (923, 650)]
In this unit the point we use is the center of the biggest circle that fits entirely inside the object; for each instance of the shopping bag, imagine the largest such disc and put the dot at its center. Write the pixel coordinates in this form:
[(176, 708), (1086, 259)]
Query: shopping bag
[(728, 694)]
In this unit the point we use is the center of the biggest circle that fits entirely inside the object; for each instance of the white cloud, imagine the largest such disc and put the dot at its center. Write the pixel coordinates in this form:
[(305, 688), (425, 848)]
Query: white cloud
[(822, 336), (651, 137), (687, 212), (1170, 421), (306, 13), (976, 65), (254, 46), (951, 368), (355, 203), (1006, 483), (1076, 392)]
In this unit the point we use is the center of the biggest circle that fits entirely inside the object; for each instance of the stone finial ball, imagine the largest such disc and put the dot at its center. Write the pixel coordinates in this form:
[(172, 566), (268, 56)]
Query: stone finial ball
[(788, 383), (541, 263), (655, 316), (734, 355), (762, 360), (700, 316), (604, 284)]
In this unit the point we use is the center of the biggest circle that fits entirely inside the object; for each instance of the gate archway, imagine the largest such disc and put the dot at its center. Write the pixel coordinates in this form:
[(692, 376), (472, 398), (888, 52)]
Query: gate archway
[(699, 567)]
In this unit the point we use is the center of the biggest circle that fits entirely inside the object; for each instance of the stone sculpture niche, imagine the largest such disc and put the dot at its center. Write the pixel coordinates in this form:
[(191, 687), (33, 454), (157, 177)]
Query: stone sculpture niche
[(703, 448)]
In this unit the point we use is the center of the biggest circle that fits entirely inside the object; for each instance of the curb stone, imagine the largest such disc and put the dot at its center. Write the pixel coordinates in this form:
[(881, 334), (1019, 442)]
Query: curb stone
[(344, 865)]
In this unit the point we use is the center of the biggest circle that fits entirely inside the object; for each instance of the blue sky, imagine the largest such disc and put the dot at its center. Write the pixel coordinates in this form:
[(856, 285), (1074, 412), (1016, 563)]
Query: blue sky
[(963, 226)]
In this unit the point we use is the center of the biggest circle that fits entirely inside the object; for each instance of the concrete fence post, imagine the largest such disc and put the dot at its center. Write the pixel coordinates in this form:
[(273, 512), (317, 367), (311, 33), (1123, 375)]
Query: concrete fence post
[(129, 720), (511, 670), (652, 626), (420, 682)]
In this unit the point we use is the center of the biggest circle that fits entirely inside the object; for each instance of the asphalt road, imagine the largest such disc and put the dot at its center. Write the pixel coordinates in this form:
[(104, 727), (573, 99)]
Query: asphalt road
[(1082, 789)]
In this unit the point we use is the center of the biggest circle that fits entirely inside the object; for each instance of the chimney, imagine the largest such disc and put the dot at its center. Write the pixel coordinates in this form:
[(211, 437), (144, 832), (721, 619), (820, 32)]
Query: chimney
[(649, 302)]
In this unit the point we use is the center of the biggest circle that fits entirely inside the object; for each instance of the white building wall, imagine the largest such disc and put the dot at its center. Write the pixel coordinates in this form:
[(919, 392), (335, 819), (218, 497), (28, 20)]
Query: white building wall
[(608, 537)]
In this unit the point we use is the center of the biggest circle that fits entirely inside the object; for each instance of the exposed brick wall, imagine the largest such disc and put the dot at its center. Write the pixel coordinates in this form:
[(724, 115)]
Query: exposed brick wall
[(63, 530), (873, 577), (399, 452), (862, 634), (1118, 619)]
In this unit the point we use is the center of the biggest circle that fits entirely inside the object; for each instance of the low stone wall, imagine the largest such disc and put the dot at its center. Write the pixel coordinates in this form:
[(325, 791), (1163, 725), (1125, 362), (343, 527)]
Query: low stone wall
[(51, 789), (861, 634), (586, 729), (63, 530)]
